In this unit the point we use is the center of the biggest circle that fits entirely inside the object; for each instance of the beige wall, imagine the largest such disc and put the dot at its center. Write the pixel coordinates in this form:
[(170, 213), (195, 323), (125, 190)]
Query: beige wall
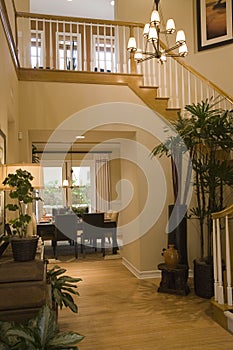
[(43, 106), (215, 64), (8, 100)]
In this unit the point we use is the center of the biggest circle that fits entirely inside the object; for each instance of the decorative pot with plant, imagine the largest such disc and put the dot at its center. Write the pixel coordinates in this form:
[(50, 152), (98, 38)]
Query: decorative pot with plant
[(207, 135), (21, 192), (41, 332), (62, 288)]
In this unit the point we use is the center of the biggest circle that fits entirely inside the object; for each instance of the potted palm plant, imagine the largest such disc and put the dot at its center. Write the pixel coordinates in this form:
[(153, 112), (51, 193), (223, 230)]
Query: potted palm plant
[(206, 133), (21, 192)]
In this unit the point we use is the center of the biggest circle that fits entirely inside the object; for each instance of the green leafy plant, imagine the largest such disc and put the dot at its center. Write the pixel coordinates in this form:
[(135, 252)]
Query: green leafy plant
[(40, 333), (62, 287), (35, 158), (204, 132), (22, 192)]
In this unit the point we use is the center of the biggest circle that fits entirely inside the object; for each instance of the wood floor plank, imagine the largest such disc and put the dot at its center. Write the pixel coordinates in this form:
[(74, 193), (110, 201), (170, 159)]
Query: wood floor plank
[(119, 312)]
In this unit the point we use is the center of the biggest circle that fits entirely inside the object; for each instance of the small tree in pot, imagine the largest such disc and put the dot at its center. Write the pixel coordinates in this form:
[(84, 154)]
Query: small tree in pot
[(21, 192), (207, 134)]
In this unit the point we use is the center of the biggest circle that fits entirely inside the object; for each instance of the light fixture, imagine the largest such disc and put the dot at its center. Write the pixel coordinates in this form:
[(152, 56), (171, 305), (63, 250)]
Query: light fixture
[(35, 170), (68, 181), (153, 47), (112, 2)]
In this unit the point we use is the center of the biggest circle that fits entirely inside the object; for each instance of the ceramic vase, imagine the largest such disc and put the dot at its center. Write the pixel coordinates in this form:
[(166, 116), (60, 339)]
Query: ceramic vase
[(171, 256)]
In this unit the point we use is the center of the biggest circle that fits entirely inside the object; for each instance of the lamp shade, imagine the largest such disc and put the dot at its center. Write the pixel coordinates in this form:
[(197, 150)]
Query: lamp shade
[(132, 46), (146, 29), (65, 183), (138, 54), (155, 18), (183, 50), (34, 169), (180, 37), (153, 35), (170, 27)]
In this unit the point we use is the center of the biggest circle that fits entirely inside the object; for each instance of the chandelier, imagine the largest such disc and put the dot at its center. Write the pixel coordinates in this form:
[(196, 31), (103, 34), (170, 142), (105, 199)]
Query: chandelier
[(153, 46)]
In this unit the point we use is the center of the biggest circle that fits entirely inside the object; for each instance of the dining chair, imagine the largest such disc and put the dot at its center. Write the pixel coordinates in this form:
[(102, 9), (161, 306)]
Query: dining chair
[(65, 230), (93, 230), (111, 216)]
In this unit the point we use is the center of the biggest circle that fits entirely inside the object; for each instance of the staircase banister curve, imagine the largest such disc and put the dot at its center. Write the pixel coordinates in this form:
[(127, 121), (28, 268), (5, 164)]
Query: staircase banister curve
[(221, 214)]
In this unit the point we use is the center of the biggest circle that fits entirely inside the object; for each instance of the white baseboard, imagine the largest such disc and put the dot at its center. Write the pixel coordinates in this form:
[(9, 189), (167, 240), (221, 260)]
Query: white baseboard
[(140, 274), (145, 274)]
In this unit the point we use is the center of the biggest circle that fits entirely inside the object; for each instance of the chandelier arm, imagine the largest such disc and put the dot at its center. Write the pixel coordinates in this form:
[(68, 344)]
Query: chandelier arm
[(147, 58), (156, 47), (172, 48)]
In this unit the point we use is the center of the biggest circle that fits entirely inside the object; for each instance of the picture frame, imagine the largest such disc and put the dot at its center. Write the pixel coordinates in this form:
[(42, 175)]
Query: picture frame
[(214, 23), (2, 193)]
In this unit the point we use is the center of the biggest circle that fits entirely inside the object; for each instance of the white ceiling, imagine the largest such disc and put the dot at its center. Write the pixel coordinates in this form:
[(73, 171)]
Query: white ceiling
[(101, 9)]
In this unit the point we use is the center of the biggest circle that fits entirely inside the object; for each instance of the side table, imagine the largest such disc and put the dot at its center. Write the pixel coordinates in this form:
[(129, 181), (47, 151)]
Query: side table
[(174, 280)]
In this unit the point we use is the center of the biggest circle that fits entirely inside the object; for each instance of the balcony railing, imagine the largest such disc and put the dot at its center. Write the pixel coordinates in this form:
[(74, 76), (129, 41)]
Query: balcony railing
[(91, 45)]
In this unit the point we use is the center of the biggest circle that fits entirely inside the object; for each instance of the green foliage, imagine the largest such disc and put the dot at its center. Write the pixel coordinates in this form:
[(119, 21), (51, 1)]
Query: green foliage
[(81, 194), (21, 191), (35, 158), (206, 132), (40, 333), (62, 287)]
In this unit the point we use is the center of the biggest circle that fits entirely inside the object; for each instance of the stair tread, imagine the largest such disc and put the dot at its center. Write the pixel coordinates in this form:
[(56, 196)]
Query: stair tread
[(148, 87)]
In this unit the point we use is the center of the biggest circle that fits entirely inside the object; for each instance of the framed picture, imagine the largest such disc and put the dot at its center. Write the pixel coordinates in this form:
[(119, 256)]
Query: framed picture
[(214, 23), (2, 193)]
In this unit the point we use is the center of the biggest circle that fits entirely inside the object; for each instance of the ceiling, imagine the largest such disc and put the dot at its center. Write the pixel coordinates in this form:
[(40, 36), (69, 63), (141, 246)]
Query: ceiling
[(100, 9)]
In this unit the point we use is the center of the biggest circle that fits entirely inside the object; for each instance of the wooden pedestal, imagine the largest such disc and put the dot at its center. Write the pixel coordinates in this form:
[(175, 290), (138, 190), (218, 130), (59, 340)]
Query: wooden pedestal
[(174, 281)]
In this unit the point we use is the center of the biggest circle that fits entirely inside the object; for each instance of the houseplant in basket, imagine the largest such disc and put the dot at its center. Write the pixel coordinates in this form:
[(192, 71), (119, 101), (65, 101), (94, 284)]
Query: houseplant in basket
[(21, 192), (206, 132)]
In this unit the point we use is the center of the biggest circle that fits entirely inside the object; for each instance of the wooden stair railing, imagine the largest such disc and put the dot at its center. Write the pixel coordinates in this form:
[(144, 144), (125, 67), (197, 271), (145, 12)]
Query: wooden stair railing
[(86, 45), (223, 251)]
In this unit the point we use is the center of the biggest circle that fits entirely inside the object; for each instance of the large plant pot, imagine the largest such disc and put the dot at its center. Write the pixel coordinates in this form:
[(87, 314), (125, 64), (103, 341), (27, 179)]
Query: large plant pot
[(178, 230), (203, 278), (24, 249)]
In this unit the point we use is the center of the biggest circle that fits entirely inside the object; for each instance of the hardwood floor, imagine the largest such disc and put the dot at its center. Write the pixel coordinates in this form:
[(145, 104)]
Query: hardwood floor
[(119, 312)]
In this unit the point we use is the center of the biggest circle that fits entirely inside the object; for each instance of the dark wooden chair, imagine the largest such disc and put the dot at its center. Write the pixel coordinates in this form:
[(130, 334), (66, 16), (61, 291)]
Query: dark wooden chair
[(4, 244), (93, 230), (65, 230)]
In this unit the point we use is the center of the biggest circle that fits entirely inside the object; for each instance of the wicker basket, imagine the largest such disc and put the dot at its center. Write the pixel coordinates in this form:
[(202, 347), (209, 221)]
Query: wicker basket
[(203, 279), (24, 249)]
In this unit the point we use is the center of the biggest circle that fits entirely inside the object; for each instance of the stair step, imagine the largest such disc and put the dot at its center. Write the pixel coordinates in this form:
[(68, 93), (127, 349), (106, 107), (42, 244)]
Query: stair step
[(148, 87), (218, 313), (173, 109)]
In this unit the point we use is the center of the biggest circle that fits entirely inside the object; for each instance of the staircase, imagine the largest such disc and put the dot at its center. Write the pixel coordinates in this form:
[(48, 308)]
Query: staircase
[(79, 46)]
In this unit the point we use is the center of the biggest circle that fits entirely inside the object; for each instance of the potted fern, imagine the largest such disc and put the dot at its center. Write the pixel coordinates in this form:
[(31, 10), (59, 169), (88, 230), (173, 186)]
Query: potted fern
[(21, 192), (206, 133)]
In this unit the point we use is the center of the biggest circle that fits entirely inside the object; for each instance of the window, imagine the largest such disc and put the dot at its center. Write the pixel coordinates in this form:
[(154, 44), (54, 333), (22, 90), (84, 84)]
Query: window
[(104, 53), (81, 192), (69, 51), (52, 194), (36, 49)]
